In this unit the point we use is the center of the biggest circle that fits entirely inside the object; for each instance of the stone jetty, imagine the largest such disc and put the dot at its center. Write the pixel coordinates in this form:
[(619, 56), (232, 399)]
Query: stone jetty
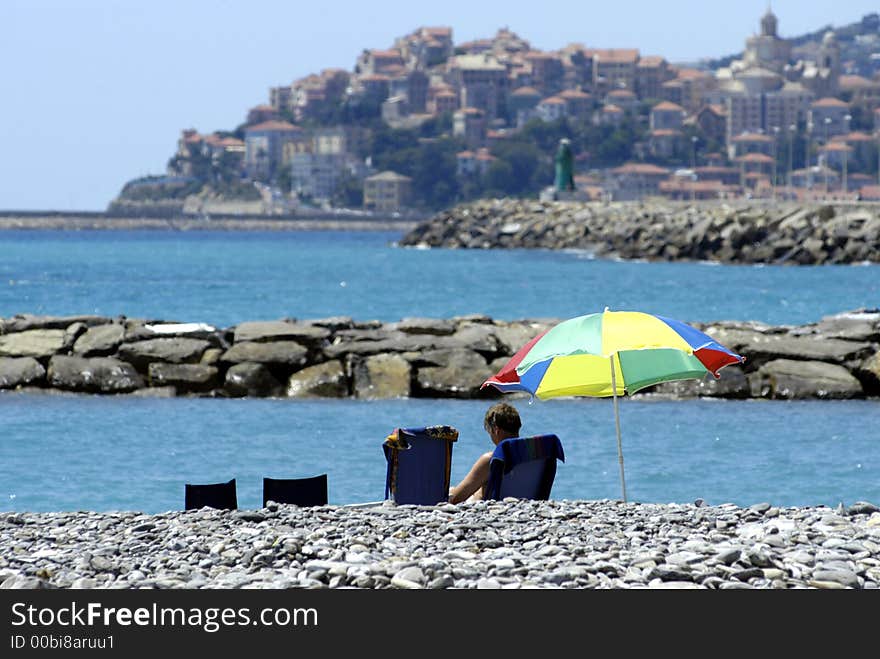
[(734, 232), (835, 357), (508, 544)]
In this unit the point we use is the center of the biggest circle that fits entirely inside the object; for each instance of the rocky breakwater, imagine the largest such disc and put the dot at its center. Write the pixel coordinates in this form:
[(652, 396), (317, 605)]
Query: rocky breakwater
[(733, 232), (836, 357), (484, 545)]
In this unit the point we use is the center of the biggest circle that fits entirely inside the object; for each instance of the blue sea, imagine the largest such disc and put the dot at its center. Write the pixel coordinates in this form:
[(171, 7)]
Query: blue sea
[(66, 452)]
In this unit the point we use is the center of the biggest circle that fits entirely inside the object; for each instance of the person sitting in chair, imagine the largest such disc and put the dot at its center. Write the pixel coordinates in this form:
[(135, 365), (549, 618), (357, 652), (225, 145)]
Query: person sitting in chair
[(501, 422)]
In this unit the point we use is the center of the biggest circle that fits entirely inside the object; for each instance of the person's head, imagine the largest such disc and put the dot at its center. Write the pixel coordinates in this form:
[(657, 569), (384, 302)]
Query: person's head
[(502, 421)]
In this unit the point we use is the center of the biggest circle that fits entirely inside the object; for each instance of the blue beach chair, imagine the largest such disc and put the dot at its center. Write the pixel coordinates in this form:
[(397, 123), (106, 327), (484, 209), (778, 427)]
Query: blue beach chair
[(298, 491), (419, 463), (212, 495), (524, 467)]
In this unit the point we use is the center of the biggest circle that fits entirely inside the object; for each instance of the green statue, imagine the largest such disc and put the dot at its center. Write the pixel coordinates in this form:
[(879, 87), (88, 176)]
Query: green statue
[(564, 166)]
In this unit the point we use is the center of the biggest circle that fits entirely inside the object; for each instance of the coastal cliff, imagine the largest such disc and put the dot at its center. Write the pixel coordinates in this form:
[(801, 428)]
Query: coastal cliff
[(735, 232), (835, 357)]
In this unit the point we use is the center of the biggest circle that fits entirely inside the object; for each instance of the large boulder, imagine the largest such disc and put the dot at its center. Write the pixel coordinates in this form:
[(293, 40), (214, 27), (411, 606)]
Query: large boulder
[(100, 340), (251, 379), (731, 383), (437, 326), (171, 350), (24, 322), (184, 377), (382, 376), (455, 373), (793, 379), (104, 375), (286, 353), (327, 380), (281, 330), (38, 343), (20, 372)]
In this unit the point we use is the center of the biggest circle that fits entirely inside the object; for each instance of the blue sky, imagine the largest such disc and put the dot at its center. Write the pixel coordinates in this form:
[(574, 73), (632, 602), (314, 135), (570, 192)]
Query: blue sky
[(95, 92)]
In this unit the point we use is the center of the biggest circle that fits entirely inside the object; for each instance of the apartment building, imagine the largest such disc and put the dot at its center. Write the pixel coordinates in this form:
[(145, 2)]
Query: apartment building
[(387, 191), (482, 83)]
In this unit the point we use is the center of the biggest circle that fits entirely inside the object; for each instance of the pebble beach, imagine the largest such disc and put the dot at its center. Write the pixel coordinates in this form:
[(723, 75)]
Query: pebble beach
[(509, 544)]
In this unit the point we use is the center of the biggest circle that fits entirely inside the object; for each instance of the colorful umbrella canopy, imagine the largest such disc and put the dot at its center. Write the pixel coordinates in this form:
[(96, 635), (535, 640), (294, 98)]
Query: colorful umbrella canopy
[(610, 354)]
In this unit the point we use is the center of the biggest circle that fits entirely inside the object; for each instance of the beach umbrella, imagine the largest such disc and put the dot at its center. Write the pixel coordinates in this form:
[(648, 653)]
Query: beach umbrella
[(611, 353)]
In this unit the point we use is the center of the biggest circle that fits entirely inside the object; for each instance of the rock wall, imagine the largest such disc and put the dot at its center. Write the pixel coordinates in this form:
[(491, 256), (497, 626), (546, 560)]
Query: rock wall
[(837, 357), (733, 232)]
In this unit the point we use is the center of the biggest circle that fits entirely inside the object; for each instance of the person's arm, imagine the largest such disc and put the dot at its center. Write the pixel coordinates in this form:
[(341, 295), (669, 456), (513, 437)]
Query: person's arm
[(475, 479)]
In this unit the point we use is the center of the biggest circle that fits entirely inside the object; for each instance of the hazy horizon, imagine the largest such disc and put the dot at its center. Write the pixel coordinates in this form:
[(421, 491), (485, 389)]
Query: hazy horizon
[(98, 91)]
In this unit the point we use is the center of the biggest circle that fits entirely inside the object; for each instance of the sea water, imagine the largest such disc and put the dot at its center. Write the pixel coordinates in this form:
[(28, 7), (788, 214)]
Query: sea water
[(71, 452)]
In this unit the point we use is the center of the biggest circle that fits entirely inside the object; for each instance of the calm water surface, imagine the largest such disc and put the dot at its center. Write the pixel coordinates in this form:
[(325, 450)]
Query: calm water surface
[(106, 453)]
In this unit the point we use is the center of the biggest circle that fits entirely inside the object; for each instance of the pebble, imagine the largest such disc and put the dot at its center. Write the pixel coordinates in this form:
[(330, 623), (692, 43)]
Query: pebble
[(509, 544)]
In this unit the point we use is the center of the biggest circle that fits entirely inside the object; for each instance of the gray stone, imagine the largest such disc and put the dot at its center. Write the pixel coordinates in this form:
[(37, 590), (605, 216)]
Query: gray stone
[(286, 353), (38, 343), (184, 377), (327, 380), (24, 322), (20, 372), (790, 379), (279, 330), (100, 340), (462, 373), (172, 350), (382, 376), (436, 326), (93, 375), (250, 379)]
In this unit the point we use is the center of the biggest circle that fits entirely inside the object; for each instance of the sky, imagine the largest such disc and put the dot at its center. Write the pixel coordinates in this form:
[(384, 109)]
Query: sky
[(94, 93)]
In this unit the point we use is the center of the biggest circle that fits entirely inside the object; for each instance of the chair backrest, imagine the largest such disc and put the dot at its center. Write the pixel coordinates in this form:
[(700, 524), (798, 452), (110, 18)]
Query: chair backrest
[(212, 495), (299, 491), (524, 467), (419, 463)]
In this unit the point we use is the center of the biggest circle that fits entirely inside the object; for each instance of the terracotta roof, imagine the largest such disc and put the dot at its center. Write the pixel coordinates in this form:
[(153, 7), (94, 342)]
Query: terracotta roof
[(856, 82), (615, 55), (838, 147), (464, 154), (374, 77), (538, 54), (622, 93), (857, 136), (651, 61), (665, 132), (639, 168), (611, 108), (691, 74), (553, 100), (263, 108), (829, 102), (755, 157), (388, 54), (485, 155), (574, 93), (446, 93), (273, 125), (438, 30), (471, 111), (667, 106), (526, 91)]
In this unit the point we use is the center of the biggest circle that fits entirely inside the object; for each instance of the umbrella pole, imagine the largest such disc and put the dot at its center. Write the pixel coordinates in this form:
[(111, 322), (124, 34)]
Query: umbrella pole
[(617, 425)]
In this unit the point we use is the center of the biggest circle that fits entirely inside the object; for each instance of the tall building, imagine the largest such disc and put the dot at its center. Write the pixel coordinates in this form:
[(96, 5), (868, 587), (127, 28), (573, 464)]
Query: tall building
[(767, 49)]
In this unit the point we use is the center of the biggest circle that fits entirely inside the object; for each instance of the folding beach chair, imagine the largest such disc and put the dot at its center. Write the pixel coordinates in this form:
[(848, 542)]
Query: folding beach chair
[(212, 495), (524, 467), (298, 491), (419, 463)]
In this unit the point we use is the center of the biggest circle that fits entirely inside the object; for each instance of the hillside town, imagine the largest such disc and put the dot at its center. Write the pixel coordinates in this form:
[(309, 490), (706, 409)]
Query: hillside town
[(427, 122)]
